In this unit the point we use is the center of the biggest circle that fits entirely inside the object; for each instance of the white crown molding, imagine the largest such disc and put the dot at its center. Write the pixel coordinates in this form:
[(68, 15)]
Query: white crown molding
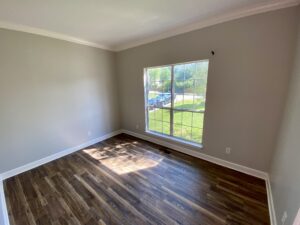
[(261, 8), (46, 33), (257, 9)]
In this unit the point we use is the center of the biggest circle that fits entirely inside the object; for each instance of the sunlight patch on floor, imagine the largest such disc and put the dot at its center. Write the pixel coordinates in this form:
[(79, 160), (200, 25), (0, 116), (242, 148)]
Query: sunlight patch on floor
[(122, 164)]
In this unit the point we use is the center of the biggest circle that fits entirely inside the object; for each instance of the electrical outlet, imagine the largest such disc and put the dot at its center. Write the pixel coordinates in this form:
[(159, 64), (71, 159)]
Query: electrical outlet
[(228, 150), (284, 217)]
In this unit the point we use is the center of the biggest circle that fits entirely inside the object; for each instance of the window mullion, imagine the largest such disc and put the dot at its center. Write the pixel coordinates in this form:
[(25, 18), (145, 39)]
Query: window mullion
[(172, 101), (146, 93)]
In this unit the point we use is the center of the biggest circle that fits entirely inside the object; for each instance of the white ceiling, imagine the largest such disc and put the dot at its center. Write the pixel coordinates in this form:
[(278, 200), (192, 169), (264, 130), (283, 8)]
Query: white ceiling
[(120, 24)]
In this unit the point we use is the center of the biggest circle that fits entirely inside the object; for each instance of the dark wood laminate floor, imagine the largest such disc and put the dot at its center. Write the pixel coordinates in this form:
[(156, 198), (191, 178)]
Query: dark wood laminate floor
[(125, 180)]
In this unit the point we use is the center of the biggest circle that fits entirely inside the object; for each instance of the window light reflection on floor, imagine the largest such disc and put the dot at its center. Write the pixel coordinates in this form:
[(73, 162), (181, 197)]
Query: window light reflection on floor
[(120, 161)]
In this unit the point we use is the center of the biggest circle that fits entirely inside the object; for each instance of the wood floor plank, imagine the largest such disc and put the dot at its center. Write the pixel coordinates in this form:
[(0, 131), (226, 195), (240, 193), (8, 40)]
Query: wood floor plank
[(125, 180)]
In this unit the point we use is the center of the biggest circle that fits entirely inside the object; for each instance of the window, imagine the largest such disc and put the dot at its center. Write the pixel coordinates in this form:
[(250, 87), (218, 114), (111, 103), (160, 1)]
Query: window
[(175, 100)]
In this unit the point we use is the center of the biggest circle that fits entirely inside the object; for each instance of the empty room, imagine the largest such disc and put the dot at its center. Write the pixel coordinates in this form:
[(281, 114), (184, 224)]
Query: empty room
[(132, 112)]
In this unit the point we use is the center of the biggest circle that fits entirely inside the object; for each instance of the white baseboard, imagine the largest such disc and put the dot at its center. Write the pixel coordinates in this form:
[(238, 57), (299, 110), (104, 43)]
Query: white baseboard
[(40, 162), (58, 155), (271, 202), (253, 172), (234, 166), (3, 205)]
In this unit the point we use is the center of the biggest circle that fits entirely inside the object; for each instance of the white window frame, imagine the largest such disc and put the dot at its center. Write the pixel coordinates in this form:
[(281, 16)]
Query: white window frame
[(166, 136)]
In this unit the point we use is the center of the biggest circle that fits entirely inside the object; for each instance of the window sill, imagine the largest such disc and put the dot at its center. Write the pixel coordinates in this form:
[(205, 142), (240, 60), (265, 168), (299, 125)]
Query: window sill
[(170, 138)]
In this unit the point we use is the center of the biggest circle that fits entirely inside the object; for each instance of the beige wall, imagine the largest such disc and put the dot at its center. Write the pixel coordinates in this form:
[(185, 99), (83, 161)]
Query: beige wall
[(285, 170), (52, 93), (247, 82)]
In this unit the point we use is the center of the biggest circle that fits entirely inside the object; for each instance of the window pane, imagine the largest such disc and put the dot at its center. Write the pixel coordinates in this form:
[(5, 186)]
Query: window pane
[(189, 80), (159, 96), (190, 85), (166, 115), (155, 125), (190, 91), (197, 135), (187, 118), (151, 125), (159, 120), (159, 87), (198, 120), (188, 125), (177, 130), (159, 74), (187, 132), (151, 114), (158, 114), (166, 128), (177, 117)]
